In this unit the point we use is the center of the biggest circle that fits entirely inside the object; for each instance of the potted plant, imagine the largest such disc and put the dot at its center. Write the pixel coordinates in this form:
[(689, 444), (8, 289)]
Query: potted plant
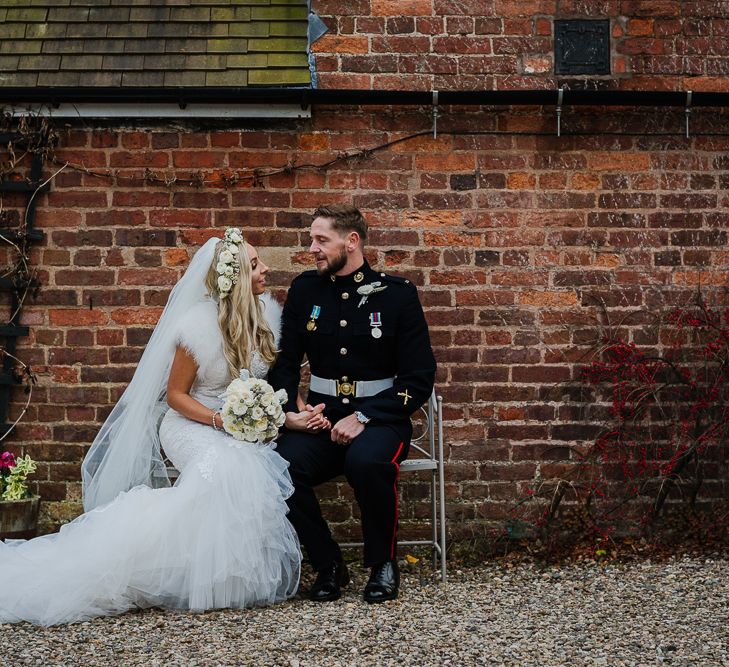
[(18, 506)]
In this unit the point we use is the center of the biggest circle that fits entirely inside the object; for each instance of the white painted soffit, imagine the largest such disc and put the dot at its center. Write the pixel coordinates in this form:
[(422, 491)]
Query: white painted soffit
[(193, 110)]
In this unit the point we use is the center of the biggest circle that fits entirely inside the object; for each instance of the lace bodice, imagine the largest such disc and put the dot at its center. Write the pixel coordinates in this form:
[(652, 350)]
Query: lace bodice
[(200, 335), (186, 442)]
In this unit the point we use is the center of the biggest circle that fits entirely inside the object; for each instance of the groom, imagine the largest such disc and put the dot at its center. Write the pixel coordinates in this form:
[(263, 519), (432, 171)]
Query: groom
[(372, 366)]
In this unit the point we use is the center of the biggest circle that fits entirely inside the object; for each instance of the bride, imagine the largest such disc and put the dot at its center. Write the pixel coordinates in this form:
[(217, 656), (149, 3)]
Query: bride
[(219, 537)]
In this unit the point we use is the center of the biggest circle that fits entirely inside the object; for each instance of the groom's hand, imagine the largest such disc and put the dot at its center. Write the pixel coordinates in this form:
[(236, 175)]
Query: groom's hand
[(346, 430)]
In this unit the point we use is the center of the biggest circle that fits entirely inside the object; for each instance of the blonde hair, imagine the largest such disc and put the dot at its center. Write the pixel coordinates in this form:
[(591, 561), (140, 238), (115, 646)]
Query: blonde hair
[(240, 316)]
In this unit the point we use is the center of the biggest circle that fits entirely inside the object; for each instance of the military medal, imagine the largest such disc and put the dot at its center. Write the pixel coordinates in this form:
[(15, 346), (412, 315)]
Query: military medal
[(376, 323), (311, 324)]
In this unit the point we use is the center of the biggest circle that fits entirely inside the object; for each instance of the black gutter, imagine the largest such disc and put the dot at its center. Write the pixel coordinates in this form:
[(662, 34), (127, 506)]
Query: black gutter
[(308, 96)]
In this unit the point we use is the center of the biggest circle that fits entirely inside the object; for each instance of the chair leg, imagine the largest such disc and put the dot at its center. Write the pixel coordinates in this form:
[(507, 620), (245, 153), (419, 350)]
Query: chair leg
[(434, 518), (441, 484)]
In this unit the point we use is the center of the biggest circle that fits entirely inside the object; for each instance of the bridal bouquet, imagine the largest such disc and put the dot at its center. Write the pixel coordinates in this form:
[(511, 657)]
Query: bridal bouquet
[(14, 476), (252, 410)]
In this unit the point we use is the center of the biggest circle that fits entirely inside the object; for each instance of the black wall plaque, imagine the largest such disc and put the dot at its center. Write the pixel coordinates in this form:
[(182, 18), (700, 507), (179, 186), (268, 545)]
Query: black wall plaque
[(582, 47)]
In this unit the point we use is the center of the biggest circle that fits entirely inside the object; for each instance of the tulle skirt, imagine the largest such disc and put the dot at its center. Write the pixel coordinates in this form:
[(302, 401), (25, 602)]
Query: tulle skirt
[(218, 538)]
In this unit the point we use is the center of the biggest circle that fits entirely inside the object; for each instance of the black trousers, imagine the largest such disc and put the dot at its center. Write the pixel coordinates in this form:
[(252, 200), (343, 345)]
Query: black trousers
[(371, 464)]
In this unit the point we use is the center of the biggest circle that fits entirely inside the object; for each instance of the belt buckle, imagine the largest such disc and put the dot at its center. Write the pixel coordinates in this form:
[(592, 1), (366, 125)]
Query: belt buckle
[(345, 387)]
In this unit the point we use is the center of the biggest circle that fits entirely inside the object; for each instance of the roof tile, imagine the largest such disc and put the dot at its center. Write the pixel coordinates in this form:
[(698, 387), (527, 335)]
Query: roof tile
[(35, 62), (109, 14), (154, 42), (289, 29), (8, 63), (167, 61), (231, 14), (143, 79), (196, 14), (249, 29), (278, 45), (205, 62), (45, 30), (26, 14), (280, 13), (230, 45), (100, 79), (186, 78), (149, 14), (123, 62), (67, 14), (231, 77), (20, 79), (246, 61), (277, 77), (62, 46), (81, 63), (142, 46), (62, 78), (9, 46)]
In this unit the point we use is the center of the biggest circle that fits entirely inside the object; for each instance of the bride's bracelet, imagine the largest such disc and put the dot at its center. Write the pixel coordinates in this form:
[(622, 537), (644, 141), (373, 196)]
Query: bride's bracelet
[(215, 426)]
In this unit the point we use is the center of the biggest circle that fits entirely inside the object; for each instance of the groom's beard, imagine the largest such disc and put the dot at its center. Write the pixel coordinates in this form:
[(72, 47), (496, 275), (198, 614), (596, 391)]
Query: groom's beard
[(333, 265)]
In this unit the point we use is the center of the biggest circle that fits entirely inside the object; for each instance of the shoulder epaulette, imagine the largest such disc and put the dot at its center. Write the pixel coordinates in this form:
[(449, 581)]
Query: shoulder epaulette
[(395, 279)]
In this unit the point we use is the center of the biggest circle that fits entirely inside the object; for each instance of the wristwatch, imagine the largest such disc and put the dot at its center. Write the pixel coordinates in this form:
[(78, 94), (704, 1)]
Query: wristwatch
[(362, 419)]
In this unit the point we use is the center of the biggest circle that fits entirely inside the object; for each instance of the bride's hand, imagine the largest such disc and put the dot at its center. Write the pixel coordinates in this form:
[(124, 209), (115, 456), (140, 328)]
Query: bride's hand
[(310, 420), (318, 421)]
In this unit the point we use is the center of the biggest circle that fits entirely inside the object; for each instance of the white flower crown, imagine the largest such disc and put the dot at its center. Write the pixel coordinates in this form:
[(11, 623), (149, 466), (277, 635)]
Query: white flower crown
[(228, 268)]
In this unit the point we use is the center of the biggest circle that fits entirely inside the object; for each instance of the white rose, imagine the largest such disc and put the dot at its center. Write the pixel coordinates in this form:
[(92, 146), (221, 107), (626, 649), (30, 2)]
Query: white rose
[(224, 284), (257, 412), (234, 248), (220, 268), (235, 237), (226, 257), (228, 270), (281, 396)]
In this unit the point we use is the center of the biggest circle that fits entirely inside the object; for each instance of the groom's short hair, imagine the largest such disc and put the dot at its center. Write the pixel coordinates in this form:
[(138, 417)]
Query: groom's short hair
[(345, 218)]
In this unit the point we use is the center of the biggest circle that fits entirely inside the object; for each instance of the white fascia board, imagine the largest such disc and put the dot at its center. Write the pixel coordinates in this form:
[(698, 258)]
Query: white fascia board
[(193, 110)]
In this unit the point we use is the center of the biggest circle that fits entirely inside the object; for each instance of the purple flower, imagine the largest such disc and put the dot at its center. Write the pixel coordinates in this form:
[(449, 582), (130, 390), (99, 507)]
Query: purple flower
[(7, 460)]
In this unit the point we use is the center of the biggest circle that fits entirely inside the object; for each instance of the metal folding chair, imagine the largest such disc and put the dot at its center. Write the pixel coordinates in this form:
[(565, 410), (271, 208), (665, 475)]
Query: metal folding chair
[(432, 459)]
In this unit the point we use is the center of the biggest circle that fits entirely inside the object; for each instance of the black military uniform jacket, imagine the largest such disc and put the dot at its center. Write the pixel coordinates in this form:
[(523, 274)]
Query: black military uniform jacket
[(323, 320)]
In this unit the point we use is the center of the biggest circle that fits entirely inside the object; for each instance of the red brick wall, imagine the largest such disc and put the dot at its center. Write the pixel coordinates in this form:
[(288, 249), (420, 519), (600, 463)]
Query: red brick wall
[(508, 44), (509, 231), (508, 235)]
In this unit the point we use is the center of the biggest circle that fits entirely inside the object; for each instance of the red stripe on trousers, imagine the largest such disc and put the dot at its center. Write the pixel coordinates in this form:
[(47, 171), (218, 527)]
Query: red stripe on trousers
[(397, 477)]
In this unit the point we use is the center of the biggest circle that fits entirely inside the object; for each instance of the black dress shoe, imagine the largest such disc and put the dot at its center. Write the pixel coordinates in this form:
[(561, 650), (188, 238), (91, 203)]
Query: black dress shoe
[(329, 582), (384, 582)]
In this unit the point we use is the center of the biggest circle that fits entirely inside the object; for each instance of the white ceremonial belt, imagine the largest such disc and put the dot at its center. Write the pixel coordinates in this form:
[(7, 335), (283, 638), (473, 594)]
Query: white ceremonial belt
[(346, 387)]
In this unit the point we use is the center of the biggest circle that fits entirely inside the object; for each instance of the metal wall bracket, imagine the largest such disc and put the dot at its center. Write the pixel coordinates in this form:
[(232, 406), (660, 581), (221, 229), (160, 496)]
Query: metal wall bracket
[(435, 114), (560, 97), (687, 111)]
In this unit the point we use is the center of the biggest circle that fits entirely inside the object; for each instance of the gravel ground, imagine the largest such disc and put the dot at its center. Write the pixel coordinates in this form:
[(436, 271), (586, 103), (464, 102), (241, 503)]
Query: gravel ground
[(672, 612)]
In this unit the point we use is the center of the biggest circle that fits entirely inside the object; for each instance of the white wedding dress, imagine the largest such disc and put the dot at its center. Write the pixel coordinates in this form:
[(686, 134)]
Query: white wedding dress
[(218, 538)]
